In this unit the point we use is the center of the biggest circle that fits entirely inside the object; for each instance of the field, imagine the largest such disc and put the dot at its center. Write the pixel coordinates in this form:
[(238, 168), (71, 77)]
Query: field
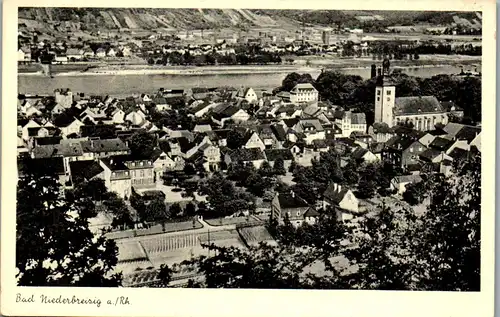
[(130, 250), (255, 235)]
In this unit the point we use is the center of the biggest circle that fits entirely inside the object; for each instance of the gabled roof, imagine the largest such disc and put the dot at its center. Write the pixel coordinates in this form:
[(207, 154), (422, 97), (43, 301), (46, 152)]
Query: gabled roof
[(376, 147), (107, 145), (468, 133), (441, 144), (85, 170), (279, 132), (291, 122), (359, 152), (407, 179), (417, 105), (311, 212), (312, 123), (430, 154), (291, 200), (334, 193), (458, 154)]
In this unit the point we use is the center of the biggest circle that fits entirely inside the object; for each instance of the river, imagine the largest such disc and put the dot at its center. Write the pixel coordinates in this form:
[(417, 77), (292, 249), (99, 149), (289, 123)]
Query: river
[(122, 85)]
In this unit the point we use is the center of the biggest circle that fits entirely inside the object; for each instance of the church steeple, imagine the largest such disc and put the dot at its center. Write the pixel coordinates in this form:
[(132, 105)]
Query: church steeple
[(385, 94)]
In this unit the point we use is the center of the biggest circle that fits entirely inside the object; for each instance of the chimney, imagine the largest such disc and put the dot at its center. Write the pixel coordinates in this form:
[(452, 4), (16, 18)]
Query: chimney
[(374, 71)]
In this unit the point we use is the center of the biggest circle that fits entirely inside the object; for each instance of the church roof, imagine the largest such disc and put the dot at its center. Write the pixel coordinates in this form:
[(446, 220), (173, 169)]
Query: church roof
[(385, 80), (417, 105)]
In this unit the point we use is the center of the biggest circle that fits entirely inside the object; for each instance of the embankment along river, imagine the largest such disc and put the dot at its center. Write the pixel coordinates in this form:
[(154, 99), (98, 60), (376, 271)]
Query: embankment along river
[(122, 85)]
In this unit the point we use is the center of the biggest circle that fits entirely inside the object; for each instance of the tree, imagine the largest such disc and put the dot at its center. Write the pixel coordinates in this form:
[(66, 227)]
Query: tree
[(414, 193), (190, 209), (154, 211), (265, 169), (235, 139), (366, 188), (175, 210), (54, 245), (451, 231), (385, 257), (118, 209), (142, 144), (279, 166)]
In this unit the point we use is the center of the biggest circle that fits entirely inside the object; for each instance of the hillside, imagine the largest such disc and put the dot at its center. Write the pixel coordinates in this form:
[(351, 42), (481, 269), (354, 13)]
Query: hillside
[(89, 19)]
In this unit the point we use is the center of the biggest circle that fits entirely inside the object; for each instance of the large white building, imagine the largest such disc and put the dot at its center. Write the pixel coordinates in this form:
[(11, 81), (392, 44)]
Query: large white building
[(303, 93), (424, 112)]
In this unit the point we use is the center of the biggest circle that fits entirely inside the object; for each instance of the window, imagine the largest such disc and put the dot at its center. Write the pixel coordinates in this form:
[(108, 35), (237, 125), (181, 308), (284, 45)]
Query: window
[(378, 98), (388, 98), (114, 174), (378, 92), (388, 92), (142, 163), (142, 173), (411, 150)]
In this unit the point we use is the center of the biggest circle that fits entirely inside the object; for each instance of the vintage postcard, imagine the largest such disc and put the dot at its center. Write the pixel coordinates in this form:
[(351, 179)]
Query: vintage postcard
[(217, 158)]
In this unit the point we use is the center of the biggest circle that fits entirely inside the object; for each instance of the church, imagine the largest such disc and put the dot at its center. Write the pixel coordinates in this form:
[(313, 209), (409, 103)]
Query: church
[(424, 112)]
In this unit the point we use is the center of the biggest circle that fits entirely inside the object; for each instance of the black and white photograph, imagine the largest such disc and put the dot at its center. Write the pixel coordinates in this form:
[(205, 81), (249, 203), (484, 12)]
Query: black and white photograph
[(304, 149)]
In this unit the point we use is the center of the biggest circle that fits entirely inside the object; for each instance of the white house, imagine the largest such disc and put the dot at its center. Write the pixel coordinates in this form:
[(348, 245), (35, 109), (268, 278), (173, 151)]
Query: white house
[(339, 196), (399, 183), (72, 127), (303, 93), (30, 124), (136, 117)]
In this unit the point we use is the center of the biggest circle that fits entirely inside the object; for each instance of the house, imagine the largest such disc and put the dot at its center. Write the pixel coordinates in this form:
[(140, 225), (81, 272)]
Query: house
[(225, 112), (303, 93), (69, 126), (141, 170), (60, 58), (25, 129), (118, 116), (245, 156), (252, 140), (312, 129), (23, 54), (96, 148), (209, 156), (161, 103), (202, 128), (100, 52), (218, 137), (111, 52), (399, 183), (85, 170), (289, 206), (161, 163), (57, 110), (32, 111), (64, 97), (403, 151), (247, 94), (364, 155), (68, 151), (117, 177), (342, 199), (88, 52), (284, 154), (352, 122), (137, 118), (200, 108), (74, 54)]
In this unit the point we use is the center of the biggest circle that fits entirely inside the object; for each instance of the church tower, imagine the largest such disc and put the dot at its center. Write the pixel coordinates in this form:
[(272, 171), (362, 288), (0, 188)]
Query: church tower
[(385, 94)]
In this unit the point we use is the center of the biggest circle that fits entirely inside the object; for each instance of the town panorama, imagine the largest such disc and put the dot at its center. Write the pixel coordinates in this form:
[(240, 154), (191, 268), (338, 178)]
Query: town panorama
[(240, 148)]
